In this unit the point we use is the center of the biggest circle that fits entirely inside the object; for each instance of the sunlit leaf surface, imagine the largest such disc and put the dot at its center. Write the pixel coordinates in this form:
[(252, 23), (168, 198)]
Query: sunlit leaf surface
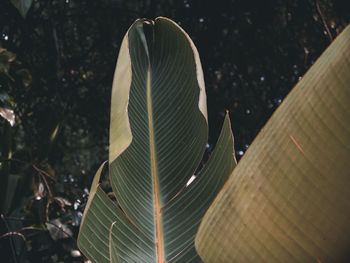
[(288, 199)]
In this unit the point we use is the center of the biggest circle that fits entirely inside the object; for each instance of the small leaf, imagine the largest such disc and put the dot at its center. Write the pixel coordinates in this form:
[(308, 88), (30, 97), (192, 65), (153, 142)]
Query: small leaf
[(8, 115), (23, 6), (58, 230)]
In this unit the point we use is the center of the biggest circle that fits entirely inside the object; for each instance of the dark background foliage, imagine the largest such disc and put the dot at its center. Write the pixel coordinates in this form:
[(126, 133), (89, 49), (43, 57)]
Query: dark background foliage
[(56, 70)]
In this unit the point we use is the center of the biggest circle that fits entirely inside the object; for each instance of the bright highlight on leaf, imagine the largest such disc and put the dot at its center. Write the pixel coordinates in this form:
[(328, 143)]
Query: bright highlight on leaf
[(8, 115), (158, 135)]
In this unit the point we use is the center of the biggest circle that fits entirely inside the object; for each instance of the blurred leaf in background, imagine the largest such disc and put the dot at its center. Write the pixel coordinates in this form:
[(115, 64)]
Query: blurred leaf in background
[(23, 6)]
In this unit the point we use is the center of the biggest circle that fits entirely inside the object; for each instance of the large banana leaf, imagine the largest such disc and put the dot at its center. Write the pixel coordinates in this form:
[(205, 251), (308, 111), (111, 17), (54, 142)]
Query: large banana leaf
[(288, 200), (158, 135)]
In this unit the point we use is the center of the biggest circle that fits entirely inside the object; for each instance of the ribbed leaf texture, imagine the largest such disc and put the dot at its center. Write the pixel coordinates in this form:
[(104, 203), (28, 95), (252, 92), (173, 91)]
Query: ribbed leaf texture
[(288, 199), (158, 136)]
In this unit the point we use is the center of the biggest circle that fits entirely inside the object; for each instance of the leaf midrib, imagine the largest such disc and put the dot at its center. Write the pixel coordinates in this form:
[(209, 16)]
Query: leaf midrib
[(157, 203)]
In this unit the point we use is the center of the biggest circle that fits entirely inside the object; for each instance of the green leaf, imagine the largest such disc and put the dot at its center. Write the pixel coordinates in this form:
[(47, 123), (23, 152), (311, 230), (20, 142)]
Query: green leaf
[(158, 135), (288, 198), (23, 6)]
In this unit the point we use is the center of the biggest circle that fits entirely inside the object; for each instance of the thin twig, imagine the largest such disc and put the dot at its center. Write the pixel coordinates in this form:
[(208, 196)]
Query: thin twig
[(11, 240), (31, 228), (43, 172), (47, 209), (60, 228), (13, 233), (36, 228), (324, 21), (30, 164)]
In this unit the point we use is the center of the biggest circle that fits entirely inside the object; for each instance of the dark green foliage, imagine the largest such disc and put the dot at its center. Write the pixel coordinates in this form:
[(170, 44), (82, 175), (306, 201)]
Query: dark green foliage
[(59, 83)]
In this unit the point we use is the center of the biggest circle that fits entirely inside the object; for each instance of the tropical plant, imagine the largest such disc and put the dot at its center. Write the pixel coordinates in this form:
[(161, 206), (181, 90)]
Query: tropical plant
[(288, 198), (158, 135), (287, 201)]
